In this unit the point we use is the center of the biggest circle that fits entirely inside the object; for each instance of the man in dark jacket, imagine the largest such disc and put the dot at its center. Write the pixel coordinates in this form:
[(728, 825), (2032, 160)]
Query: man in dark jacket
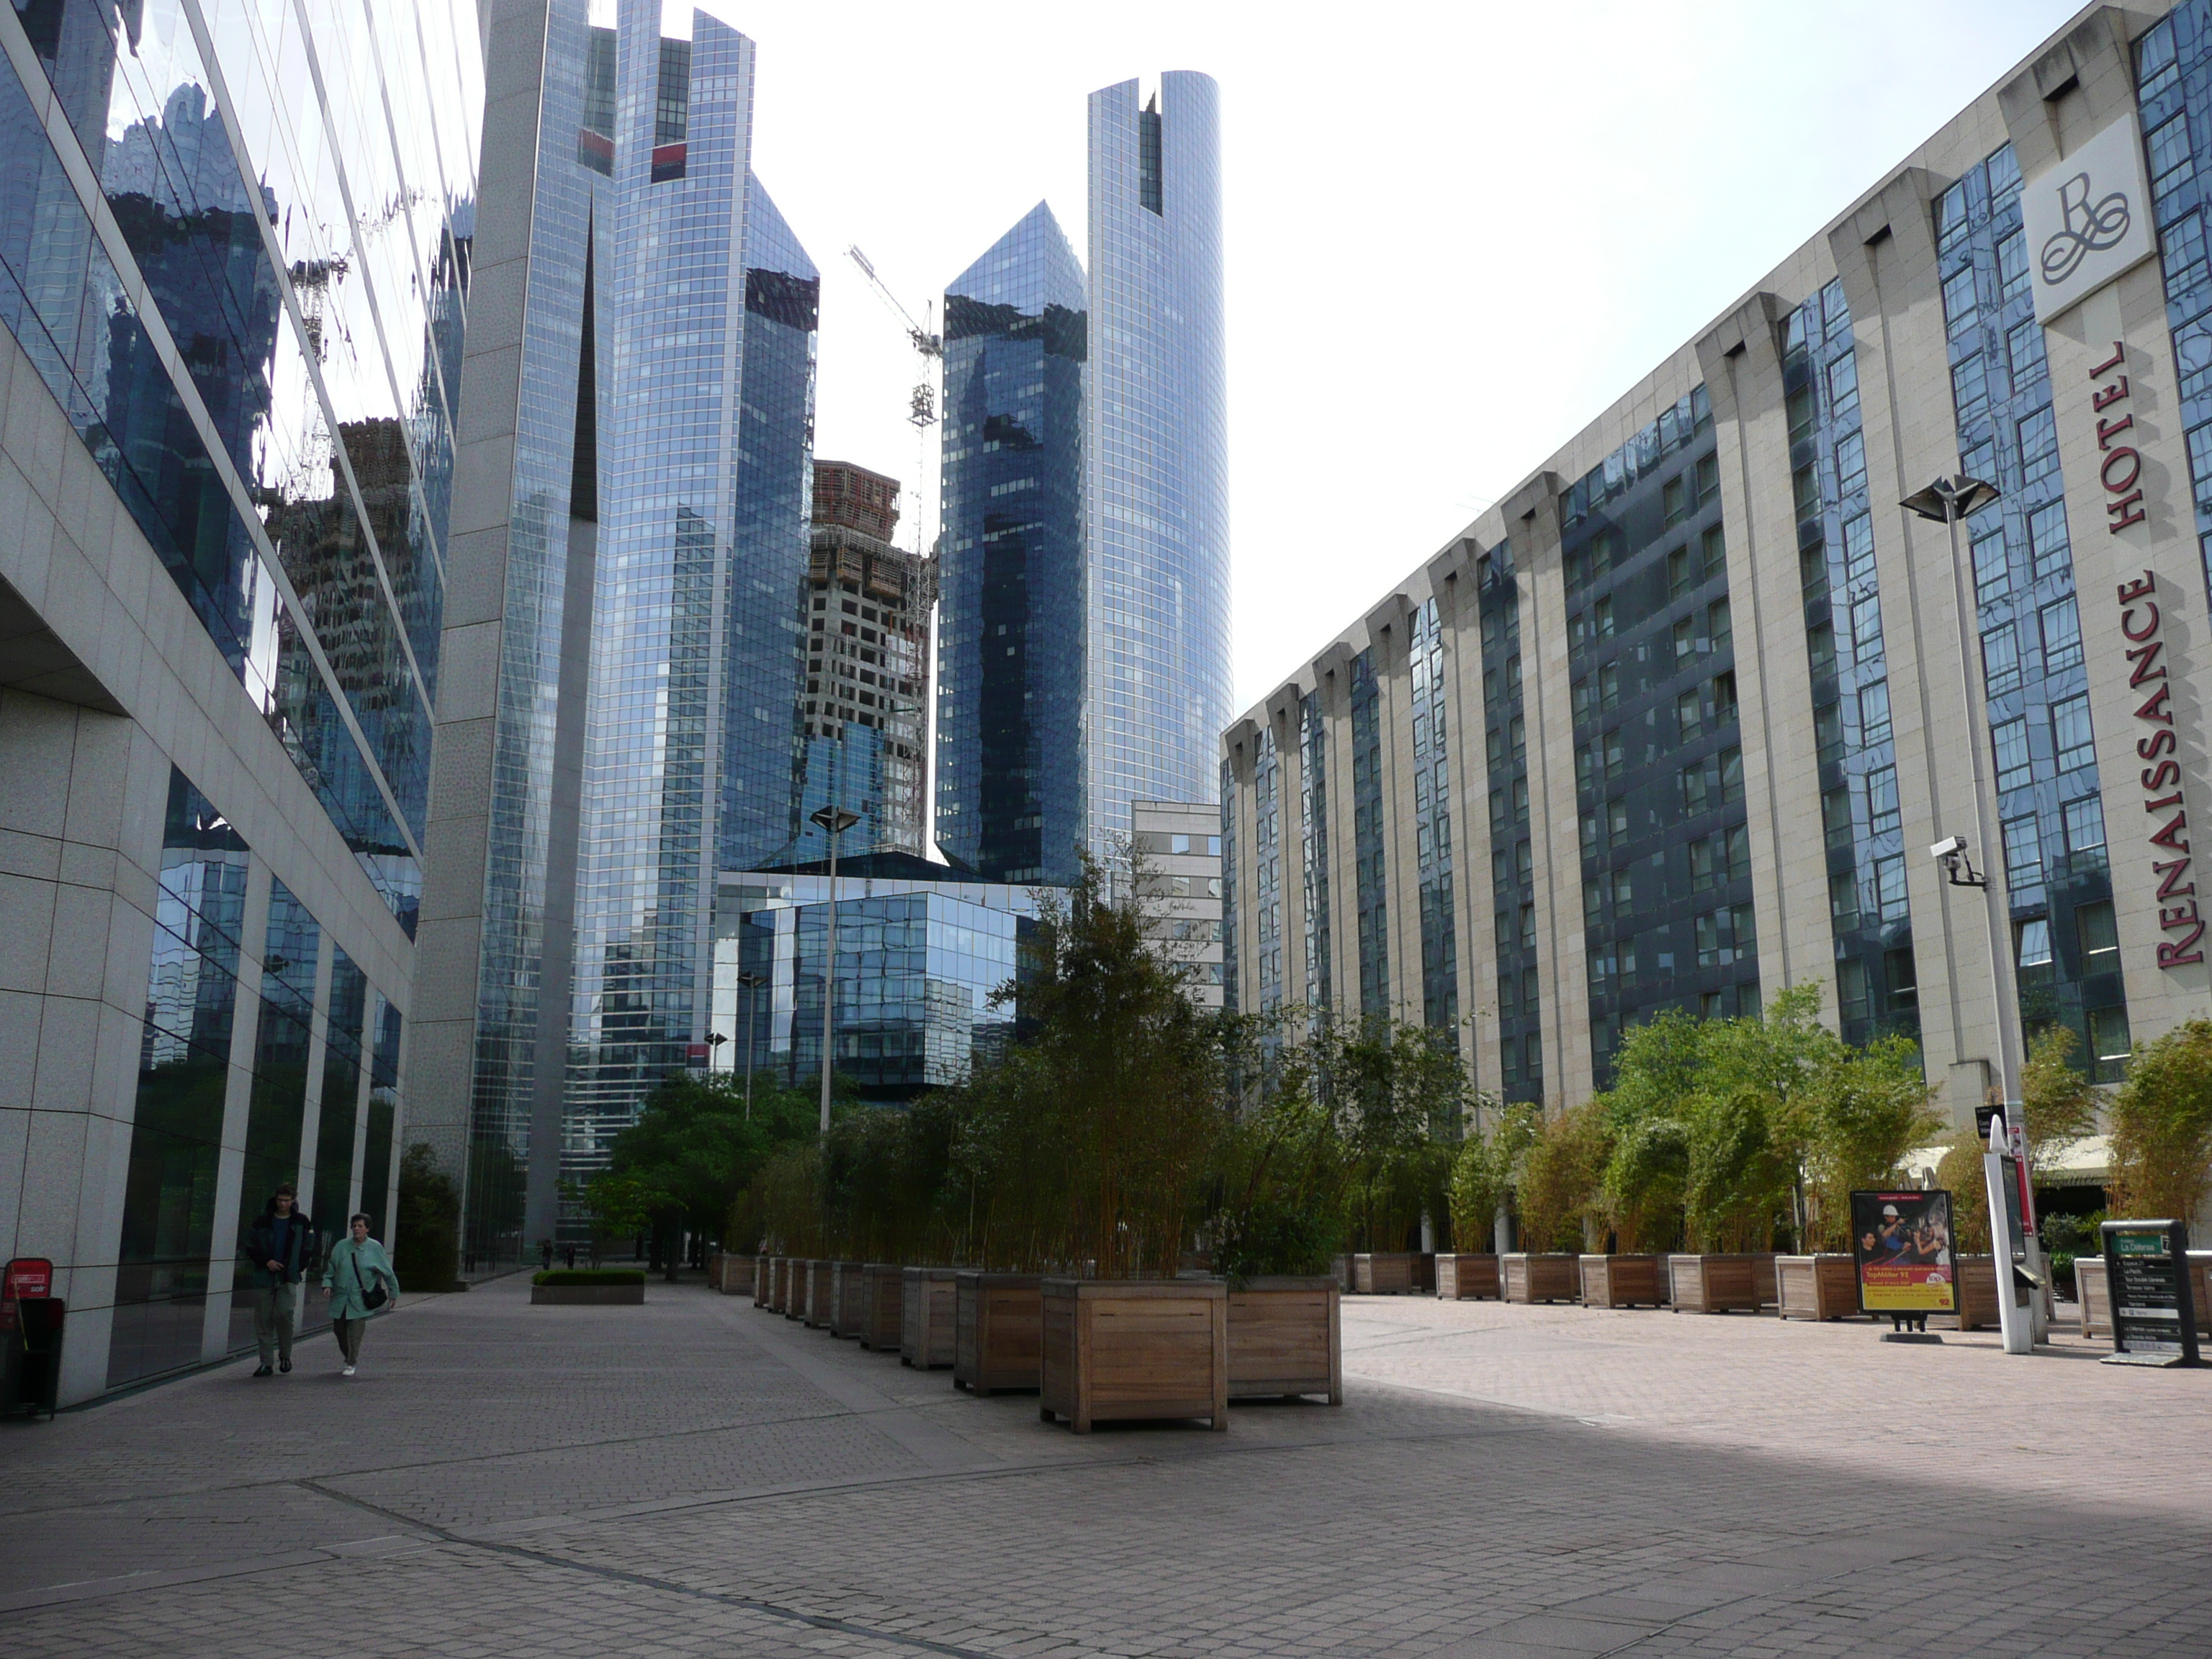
[(280, 1245)]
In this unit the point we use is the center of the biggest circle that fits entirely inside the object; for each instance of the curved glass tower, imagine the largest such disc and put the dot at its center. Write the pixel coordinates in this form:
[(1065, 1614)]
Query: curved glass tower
[(1156, 464)]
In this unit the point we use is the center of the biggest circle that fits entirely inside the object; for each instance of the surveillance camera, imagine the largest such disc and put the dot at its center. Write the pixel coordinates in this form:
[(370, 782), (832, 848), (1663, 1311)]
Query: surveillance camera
[(1949, 847)]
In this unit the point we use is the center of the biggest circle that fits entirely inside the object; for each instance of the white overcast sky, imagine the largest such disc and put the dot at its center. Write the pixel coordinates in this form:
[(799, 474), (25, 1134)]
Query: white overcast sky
[(1454, 232)]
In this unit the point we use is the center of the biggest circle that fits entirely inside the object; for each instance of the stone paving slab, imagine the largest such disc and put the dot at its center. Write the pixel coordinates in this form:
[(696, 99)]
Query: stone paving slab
[(698, 1476)]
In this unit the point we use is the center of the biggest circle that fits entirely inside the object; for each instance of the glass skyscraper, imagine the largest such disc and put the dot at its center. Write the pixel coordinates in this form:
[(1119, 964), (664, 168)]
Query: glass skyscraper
[(654, 509), (1010, 626), (1156, 463), (235, 247)]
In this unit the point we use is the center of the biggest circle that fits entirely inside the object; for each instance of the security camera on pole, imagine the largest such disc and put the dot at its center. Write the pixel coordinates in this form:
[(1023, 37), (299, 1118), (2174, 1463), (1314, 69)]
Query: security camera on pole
[(2019, 1258)]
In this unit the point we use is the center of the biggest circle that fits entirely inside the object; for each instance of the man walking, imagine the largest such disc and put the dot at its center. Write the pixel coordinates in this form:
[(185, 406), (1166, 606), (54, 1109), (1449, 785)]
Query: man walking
[(280, 1246)]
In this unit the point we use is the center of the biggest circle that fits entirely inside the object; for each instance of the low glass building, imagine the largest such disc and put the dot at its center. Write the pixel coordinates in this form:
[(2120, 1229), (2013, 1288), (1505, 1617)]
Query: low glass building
[(918, 960)]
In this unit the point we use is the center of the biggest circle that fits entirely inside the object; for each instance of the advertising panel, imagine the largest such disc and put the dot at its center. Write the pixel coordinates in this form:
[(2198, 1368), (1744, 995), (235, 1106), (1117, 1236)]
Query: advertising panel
[(1901, 1246)]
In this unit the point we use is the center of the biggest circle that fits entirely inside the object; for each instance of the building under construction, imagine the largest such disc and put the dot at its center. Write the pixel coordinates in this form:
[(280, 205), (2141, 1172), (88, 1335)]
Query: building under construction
[(864, 720)]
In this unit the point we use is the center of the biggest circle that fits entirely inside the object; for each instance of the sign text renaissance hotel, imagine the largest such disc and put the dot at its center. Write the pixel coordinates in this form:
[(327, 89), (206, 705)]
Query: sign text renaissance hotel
[(1678, 723)]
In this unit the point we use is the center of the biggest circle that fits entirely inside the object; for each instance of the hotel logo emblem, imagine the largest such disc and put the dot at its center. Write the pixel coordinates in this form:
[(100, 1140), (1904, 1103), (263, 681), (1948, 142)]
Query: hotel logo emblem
[(2087, 218)]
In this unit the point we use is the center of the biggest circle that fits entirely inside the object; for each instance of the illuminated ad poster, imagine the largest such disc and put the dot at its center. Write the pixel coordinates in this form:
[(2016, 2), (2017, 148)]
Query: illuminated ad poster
[(1901, 1245)]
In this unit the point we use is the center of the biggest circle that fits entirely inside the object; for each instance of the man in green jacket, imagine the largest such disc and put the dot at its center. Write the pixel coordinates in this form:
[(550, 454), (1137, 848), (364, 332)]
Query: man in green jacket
[(280, 1247)]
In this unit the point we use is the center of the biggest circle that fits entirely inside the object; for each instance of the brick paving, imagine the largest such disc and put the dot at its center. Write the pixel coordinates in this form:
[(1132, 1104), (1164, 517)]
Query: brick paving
[(700, 1476)]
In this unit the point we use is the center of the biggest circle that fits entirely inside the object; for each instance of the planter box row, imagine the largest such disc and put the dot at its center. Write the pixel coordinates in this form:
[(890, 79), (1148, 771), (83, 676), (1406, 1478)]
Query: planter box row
[(2095, 1288), (1093, 1350)]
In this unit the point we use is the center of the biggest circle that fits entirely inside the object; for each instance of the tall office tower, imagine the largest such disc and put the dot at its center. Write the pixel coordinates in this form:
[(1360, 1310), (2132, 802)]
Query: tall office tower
[(1156, 465), (234, 287), (637, 585), (864, 720), (1009, 784)]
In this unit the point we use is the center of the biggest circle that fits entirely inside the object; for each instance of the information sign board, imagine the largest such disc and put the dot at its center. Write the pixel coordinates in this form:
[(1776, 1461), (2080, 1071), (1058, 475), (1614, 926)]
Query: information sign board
[(2146, 1266), (1901, 1246)]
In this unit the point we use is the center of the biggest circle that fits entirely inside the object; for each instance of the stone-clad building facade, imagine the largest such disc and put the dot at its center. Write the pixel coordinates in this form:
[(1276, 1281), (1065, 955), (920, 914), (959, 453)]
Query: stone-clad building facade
[(1677, 723)]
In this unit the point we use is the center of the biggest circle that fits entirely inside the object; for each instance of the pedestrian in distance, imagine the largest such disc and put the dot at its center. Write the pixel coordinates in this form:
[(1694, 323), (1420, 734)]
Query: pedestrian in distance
[(280, 1248), (546, 1253), (362, 1286)]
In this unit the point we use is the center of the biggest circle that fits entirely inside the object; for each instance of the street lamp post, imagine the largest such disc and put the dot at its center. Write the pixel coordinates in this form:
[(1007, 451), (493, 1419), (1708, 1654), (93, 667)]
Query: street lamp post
[(750, 983), (835, 820), (1946, 502)]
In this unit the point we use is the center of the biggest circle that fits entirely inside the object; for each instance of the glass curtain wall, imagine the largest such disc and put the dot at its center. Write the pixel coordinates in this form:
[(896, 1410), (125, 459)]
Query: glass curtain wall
[(1229, 997), (1876, 988), (1369, 890), (1666, 902), (1313, 849), (2065, 940), (1432, 827), (1156, 659), (2174, 82), (304, 302), (1267, 865), (1512, 864), (1010, 769)]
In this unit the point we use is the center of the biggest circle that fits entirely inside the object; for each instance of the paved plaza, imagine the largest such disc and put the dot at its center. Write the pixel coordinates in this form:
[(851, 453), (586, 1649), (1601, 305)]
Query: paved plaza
[(700, 1476)]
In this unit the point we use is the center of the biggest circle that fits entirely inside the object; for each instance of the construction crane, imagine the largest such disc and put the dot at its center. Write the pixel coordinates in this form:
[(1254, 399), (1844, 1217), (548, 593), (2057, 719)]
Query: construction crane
[(922, 407)]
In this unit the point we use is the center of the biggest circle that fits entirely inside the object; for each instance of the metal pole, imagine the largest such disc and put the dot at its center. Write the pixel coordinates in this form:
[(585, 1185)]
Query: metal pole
[(2019, 1323), (829, 975)]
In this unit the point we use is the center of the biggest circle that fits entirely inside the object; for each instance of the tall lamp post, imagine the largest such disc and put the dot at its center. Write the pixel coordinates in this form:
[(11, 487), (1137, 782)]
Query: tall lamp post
[(836, 820), (750, 983), (1946, 502)]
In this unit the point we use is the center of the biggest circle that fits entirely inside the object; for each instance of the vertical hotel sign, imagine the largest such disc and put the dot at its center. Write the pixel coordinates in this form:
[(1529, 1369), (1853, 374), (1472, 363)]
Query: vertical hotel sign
[(2088, 221)]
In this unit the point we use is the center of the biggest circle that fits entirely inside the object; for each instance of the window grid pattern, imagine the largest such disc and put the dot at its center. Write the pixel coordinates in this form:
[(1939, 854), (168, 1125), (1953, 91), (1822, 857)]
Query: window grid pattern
[(1372, 907), (1512, 870), (1432, 824), (1876, 983), (2173, 75), (1313, 847), (1267, 865), (1229, 953), (1665, 871), (2043, 758)]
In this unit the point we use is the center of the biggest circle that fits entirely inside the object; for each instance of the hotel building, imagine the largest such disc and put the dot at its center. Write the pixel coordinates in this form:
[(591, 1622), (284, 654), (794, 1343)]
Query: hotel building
[(1677, 723)]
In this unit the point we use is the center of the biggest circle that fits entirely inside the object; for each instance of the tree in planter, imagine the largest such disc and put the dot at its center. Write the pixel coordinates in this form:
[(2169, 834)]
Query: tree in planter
[(427, 1253), (2160, 1123), (1862, 1112), (1284, 1167), (1658, 1074), (1400, 1095), (2059, 1103), (1486, 1168), (1562, 1179)]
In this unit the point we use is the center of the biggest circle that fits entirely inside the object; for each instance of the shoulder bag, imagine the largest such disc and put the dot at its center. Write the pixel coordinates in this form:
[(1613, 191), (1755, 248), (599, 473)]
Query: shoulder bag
[(372, 1297)]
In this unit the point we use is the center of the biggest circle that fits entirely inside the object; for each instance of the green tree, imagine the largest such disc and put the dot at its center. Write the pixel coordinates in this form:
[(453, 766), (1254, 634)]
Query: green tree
[(694, 1148), (426, 1252), (1862, 1112), (2060, 1103), (2162, 1127), (1485, 1169), (1562, 1181)]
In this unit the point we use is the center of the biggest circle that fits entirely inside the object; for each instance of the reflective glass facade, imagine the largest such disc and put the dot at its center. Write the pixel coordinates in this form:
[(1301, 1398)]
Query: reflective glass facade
[(253, 328), (1368, 868), (2050, 812), (1156, 657), (707, 350), (1876, 986), (1313, 847), (1010, 777), (1512, 863), (2173, 73), (1432, 824), (917, 961), (1268, 866), (1667, 900)]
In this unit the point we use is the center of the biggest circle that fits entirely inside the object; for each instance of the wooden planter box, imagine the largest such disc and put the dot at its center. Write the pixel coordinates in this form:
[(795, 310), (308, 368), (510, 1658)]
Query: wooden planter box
[(794, 1298), (778, 1285), (1715, 1284), (763, 1276), (883, 1307), (1135, 1348), (1464, 1277), (736, 1278), (1286, 1338), (1816, 1286), (1424, 1272), (1976, 1292), (2095, 1291), (1383, 1274), (819, 1286), (929, 1317), (1762, 1273), (586, 1295), (1532, 1277), (1340, 1268), (845, 1281), (998, 1321), (1622, 1281)]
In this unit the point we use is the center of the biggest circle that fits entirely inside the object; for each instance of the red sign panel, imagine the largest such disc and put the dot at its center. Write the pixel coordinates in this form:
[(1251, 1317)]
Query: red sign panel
[(27, 1276)]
